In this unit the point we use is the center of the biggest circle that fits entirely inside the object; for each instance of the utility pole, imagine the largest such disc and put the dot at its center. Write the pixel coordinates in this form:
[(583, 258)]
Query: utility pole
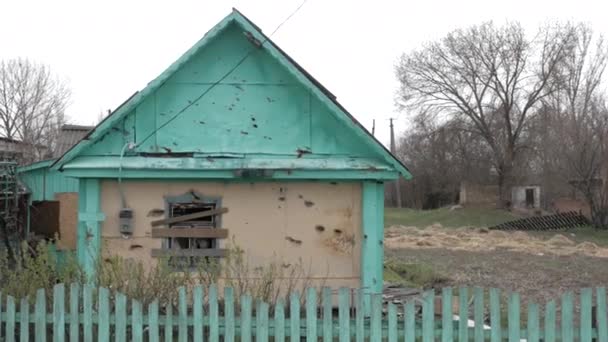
[(374, 127), (393, 151)]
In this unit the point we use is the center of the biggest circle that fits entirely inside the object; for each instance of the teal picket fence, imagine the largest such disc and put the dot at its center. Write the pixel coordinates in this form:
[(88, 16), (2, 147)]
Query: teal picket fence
[(206, 314)]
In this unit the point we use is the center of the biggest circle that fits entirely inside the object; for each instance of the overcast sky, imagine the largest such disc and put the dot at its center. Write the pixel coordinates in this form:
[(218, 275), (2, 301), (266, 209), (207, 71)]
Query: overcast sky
[(109, 49)]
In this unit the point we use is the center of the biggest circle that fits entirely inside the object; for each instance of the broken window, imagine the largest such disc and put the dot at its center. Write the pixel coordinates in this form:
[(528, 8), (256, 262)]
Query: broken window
[(177, 209)]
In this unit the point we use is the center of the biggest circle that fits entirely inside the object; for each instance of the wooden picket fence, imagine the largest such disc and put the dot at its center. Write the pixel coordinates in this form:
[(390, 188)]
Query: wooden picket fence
[(315, 316)]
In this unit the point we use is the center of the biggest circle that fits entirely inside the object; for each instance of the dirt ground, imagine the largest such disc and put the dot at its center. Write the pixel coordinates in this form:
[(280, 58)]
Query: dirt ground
[(539, 268)]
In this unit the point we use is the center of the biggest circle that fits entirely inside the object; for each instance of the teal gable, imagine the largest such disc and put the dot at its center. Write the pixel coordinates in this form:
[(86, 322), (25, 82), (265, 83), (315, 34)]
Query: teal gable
[(234, 108)]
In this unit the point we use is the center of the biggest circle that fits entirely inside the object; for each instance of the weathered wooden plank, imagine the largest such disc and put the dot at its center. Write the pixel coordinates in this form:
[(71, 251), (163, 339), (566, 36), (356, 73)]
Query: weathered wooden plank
[(327, 319), (279, 320), (74, 311), (168, 323), (375, 332), (103, 309), (202, 214), (294, 317), (87, 313), (533, 323), (463, 314), (182, 312), (393, 333), (344, 314), (214, 315), (203, 252), (586, 314), (137, 321), (59, 313), (24, 324), (478, 311), (10, 319), (567, 315), (514, 317), (197, 313), (360, 315), (246, 318), (550, 331), (229, 324), (40, 316), (311, 315), (209, 233), (447, 316), (602, 317), (153, 330), (428, 316), (410, 322), (261, 326), (120, 312), (495, 322)]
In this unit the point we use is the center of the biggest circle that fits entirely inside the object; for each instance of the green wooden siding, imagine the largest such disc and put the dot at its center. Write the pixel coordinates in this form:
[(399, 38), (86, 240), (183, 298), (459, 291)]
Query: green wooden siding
[(44, 183), (108, 315)]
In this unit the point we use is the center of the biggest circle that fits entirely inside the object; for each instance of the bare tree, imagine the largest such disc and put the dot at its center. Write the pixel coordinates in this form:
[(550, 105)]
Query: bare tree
[(577, 143), (32, 105), (491, 79)]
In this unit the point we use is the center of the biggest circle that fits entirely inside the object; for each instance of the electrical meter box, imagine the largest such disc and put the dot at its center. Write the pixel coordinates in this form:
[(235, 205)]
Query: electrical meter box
[(125, 217)]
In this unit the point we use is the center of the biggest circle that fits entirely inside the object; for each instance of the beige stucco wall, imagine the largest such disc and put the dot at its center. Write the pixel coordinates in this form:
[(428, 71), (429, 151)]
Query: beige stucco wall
[(268, 220)]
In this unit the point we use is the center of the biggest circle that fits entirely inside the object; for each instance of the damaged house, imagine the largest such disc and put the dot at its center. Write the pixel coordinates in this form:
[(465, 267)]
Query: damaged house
[(233, 142)]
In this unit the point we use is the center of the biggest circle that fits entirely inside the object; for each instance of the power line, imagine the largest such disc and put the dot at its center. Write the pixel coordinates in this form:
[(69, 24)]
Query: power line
[(190, 103)]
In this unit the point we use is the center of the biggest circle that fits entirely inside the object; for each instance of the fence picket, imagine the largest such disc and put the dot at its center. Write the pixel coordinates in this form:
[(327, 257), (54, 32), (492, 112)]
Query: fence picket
[(447, 317), (344, 314), (514, 317), (279, 320), (182, 312), (550, 309), (261, 326), (294, 317), (602, 320), (428, 316), (87, 317), (478, 311), (327, 313), (24, 320), (567, 324), (103, 309), (375, 332), (153, 335), (410, 321), (40, 316), (168, 323), (10, 319), (214, 320), (392, 323), (197, 313), (495, 322), (74, 314), (59, 313), (246, 318), (463, 314), (311, 315), (137, 321), (360, 316), (229, 329), (120, 312), (533, 328), (586, 311)]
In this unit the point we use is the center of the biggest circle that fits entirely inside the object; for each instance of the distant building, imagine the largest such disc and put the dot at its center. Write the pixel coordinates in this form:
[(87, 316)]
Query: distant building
[(522, 196)]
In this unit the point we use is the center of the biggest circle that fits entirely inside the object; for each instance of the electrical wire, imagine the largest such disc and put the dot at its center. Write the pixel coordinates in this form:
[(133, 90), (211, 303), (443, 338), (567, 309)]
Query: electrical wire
[(191, 103)]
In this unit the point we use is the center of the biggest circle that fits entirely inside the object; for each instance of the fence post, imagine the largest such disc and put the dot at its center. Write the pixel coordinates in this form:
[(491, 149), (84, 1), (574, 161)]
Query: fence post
[(169, 323), (153, 335), (10, 319), (40, 313), (344, 314), (182, 312), (567, 326), (120, 312), (137, 321), (514, 317), (103, 323), (59, 313), (463, 314), (279, 320), (228, 315), (602, 320), (214, 321), (261, 326), (24, 309), (550, 322), (410, 322), (311, 315), (294, 317), (327, 315), (495, 321), (532, 328), (246, 318), (360, 318), (197, 312), (586, 311), (393, 332), (447, 317), (478, 311), (74, 311), (428, 316)]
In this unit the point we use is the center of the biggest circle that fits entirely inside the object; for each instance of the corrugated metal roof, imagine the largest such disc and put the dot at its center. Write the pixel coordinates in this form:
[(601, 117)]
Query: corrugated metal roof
[(69, 136)]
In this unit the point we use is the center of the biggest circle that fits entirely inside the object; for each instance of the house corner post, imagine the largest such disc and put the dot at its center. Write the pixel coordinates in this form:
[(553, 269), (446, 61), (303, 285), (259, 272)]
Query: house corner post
[(372, 248), (89, 225)]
